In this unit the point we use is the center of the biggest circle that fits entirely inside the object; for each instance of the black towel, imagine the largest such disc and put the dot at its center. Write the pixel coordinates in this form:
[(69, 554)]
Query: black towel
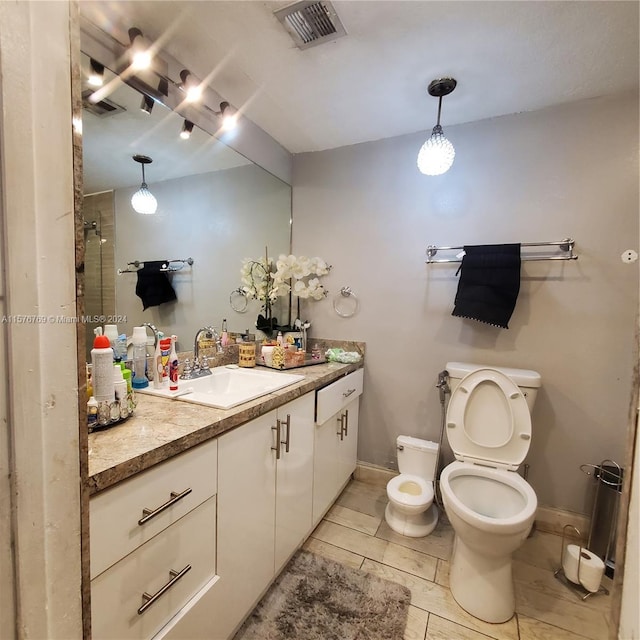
[(153, 285), (489, 283)]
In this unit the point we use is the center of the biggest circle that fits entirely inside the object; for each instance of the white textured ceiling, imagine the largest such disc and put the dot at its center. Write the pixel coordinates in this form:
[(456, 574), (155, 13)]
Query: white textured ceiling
[(508, 57)]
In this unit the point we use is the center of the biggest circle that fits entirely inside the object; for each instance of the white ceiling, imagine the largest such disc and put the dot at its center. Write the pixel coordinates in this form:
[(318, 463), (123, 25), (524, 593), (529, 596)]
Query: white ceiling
[(508, 57)]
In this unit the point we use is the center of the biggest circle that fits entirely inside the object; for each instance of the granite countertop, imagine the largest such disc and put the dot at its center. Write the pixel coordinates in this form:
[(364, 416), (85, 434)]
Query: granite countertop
[(161, 428)]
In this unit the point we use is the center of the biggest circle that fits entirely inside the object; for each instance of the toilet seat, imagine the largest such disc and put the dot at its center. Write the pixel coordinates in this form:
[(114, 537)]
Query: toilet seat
[(495, 431), (396, 493)]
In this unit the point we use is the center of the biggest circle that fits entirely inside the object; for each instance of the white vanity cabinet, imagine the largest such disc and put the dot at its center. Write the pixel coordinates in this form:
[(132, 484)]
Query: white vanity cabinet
[(153, 544), (265, 485), (336, 439)]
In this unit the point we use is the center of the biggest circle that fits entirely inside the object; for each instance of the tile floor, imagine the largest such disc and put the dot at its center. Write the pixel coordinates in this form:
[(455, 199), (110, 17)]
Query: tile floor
[(355, 533)]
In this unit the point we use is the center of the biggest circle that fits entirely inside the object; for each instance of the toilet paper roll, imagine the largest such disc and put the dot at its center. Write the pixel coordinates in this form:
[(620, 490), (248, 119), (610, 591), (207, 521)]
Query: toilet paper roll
[(591, 567)]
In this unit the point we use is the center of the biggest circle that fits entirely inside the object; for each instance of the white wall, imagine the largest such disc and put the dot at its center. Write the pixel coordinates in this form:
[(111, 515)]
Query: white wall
[(215, 218), (572, 171)]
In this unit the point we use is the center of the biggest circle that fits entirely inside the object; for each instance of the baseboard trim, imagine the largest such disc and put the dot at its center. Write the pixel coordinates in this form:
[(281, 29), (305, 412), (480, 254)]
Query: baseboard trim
[(552, 520), (373, 474)]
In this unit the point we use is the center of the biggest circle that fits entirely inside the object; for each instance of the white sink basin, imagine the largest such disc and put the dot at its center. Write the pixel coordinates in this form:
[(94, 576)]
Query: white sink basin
[(226, 388)]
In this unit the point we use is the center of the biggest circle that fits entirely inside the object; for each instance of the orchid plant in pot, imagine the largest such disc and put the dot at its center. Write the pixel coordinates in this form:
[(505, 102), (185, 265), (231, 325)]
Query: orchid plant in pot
[(266, 281)]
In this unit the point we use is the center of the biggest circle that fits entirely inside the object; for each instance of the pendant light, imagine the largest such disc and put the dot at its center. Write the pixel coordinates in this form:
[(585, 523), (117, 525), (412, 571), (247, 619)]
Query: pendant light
[(143, 200), (437, 153)]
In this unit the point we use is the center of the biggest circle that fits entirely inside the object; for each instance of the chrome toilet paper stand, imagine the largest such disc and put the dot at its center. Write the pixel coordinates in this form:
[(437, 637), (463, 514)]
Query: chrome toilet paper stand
[(559, 573)]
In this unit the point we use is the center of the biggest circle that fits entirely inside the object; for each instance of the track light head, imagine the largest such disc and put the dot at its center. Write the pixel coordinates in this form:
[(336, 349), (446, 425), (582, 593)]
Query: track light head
[(147, 104), (190, 86), (229, 116), (96, 73), (187, 128), (140, 50)]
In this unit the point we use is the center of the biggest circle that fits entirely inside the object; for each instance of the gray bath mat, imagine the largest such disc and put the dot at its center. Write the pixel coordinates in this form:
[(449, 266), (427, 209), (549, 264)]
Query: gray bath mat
[(318, 599)]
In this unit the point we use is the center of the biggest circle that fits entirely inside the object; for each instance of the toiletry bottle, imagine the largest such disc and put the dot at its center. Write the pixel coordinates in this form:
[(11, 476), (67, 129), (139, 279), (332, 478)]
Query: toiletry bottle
[(173, 366), (157, 367), (111, 331), (102, 369), (92, 413), (165, 352), (279, 338), (224, 338), (120, 385), (139, 358)]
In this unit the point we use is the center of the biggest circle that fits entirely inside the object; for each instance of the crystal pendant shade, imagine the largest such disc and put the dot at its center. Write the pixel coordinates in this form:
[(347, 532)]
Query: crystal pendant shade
[(143, 201), (436, 155)]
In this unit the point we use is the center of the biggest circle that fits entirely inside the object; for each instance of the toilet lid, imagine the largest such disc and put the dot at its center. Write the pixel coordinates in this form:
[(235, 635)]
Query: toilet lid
[(488, 420)]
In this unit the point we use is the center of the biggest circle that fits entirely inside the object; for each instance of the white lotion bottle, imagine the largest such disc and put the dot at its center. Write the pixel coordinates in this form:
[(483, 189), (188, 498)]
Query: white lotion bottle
[(102, 369)]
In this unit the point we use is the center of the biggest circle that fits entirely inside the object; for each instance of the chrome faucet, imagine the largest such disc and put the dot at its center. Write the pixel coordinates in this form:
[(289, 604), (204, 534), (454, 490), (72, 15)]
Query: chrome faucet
[(155, 334), (196, 343)]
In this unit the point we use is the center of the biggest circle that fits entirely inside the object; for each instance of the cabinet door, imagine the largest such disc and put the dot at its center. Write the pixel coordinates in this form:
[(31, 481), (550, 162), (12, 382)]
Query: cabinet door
[(325, 466), (348, 445), (294, 486), (246, 516)]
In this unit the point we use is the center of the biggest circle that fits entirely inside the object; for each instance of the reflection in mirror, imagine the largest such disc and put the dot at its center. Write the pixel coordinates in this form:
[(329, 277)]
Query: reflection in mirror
[(214, 206)]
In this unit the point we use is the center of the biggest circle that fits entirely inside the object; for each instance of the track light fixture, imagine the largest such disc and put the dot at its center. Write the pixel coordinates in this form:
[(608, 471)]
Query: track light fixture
[(437, 153), (96, 73), (190, 86), (187, 128), (147, 104), (143, 201), (228, 115), (140, 50)]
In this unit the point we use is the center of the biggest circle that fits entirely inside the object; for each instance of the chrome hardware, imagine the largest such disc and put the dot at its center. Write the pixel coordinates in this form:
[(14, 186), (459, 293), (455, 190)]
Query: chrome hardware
[(187, 370), (347, 393), (204, 365), (156, 336), (287, 441), (277, 429), (148, 514), (148, 600), (346, 422), (400, 447), (341, 432)]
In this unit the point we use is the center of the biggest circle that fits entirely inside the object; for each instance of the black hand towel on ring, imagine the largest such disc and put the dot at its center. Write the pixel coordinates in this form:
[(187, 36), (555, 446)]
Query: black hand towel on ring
[(489, 283), (154, 287)]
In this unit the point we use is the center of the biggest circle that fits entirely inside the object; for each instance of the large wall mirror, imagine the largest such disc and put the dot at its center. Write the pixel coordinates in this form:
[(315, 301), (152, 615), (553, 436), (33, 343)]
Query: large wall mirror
[(214, 206)]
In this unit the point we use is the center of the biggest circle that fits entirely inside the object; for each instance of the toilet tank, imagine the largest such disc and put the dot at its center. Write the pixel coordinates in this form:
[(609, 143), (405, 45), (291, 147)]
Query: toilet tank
[(417, 457), (527, 380)]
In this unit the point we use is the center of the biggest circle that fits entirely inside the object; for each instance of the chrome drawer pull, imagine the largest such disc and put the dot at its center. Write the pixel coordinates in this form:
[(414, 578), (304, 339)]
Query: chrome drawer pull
[(149, 600), (346, 422), (341, 432), (147, 514), (277, 447), (287, 439), (347, 393)]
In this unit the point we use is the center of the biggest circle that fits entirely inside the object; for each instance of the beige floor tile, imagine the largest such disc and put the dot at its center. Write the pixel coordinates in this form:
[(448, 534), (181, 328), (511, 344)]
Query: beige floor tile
[(436, 599), (577, 617), (542, 550), (442, 573), (364, 498), (353, 519), (441, 629), (531, 629), (333, 553), (416, 624), (414, 562), (436, 544), (350, 539), (544, 581)]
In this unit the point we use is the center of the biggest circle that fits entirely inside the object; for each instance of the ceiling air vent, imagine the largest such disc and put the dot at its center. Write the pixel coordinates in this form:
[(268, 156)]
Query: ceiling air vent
[(311, 23), (102, 108)]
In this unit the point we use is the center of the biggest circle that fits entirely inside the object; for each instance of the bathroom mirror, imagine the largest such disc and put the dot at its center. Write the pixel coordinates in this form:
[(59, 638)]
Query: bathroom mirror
[(214, 206)]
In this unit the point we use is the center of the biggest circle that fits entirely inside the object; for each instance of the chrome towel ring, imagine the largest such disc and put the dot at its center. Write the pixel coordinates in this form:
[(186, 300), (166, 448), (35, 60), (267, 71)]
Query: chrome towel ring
[(345, 303)]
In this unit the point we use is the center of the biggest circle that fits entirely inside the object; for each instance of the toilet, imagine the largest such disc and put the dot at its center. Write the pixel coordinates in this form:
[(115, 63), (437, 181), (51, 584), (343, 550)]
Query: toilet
[(490, 506), (410, 510)]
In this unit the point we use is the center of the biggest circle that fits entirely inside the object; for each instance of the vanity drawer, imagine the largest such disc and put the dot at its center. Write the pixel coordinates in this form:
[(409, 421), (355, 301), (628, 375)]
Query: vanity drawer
[(114, 514), (338, 395), (116, 594)]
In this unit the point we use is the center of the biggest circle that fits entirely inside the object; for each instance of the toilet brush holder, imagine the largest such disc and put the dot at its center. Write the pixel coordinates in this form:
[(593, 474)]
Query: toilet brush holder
[(579, 569)]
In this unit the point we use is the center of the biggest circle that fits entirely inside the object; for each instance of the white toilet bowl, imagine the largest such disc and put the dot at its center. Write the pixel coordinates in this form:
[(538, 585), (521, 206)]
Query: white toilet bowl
[(491, 512), (490, 506), (410, 510)]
